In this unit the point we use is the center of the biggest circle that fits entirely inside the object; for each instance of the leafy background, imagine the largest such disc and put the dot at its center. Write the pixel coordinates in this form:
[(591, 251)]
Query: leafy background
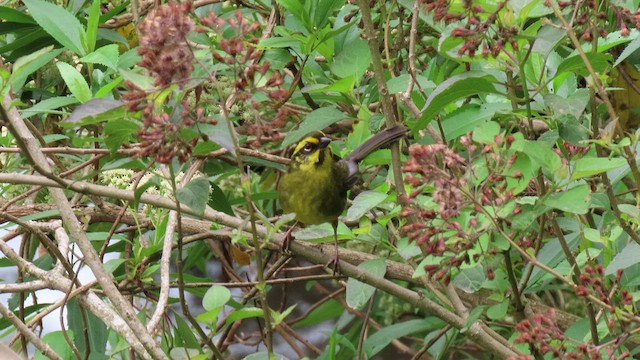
[(141, 144)]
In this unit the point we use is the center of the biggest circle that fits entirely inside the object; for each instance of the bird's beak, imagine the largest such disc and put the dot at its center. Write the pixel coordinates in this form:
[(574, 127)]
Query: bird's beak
[(324, 141)]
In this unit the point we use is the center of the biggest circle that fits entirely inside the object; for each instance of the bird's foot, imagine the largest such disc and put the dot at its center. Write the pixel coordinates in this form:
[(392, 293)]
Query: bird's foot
[(335, 263), (288, 237)]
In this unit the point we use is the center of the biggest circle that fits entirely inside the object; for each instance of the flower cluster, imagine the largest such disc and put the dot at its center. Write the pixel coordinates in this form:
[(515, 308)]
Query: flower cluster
[(168, 58), (592, 281), (235, 51), (617, 17), (163, 44), (543, 334), (480, 28), (448, 226)]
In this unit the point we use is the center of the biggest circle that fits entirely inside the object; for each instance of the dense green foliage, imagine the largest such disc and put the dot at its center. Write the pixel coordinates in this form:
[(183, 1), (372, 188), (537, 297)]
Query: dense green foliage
[(141, 145)]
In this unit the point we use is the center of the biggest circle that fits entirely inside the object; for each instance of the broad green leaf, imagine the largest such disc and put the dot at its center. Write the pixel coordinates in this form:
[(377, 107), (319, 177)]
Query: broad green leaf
[(49, 106), (498, 311), (118, 132), (94, 111), (314, 121), (468, 117), (486, 133), (574, 104), (455, 88), (216, 297), (296, 8), (326, 311), (75, 82), (12, 15), (571, 130), (219, 134), (344, 86), (574, 200), (263, 355), (219, 201), (95, 329), (59, 23), (473, 316), (26, 65), (244, 313), (364, 202), (589, 166), (278, 42), (322, 11), (354, 60), (185, 334), (107, 55), (542, 154), (575, 64), (628, 50), (58, 344), (625, 258), (359, 293), (381, 339), (399, 83), (195, 194)]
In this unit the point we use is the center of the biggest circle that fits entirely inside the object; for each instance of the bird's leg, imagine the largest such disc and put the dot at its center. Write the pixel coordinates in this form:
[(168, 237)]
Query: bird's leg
[(288, 238), (336, 259)]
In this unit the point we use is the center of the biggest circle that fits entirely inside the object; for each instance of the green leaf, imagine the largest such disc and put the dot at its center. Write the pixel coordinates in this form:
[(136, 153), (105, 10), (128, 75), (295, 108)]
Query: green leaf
[(195, 194), (58, 344), (216, 297), (574, 104), (359, 293), (571, 130), (118, 132), (186, 336), (322, 11), (328, 310), (48, 106), (92, 25), (107, 55), (574, 200), (344, 86), (625, 258), (455, 88), (378, 341), (498, 311), (94, 328), (590, 166), (59, 23), (219, 201), (75, 82), (575, 64), (354, 60), (12, 15), (26, 65), (244, 313), (219, 134), (263, 355), (93, 112), (542, 154), (474, 315), (364, 202), (630, 49), (314, 121), (296, 8), (278, 42)]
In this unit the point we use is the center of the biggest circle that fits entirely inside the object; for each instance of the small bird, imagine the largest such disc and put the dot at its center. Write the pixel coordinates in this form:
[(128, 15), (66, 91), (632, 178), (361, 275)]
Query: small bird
[(316, 184)]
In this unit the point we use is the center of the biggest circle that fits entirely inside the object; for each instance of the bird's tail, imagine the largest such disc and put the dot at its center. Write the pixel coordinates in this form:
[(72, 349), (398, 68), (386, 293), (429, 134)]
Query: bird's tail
[(378, 141)]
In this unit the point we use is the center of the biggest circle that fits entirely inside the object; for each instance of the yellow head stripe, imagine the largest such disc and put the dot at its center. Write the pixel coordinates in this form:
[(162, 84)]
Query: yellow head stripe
[(314, 140)]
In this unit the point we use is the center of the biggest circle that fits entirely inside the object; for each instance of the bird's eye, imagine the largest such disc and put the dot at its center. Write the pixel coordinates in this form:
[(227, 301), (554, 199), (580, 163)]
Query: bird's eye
[(307, 148)]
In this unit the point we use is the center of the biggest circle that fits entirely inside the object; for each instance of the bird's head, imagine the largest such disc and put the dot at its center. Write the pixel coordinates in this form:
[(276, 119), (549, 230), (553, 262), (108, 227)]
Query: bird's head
[(312, 152)]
